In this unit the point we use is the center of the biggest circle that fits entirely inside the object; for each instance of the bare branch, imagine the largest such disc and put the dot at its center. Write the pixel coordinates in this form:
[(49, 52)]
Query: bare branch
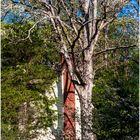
[(29, 31), (112, 49), (79, 32)]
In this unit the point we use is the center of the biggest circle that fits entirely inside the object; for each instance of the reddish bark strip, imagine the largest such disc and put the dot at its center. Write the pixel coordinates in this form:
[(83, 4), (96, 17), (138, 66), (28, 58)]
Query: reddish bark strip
[(69, 106)]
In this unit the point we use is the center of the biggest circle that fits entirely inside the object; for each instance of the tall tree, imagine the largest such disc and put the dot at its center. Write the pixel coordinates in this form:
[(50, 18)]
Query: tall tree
[(78, 25)]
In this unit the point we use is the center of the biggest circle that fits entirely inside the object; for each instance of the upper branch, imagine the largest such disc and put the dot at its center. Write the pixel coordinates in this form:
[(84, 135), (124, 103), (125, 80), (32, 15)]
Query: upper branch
[(112, 49)]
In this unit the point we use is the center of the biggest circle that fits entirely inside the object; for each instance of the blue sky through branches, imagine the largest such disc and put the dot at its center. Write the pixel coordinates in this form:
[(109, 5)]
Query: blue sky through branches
[(129, 10)]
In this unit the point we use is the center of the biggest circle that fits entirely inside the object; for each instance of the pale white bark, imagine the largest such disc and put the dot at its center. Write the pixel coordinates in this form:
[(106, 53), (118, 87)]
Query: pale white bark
[(86, 101)]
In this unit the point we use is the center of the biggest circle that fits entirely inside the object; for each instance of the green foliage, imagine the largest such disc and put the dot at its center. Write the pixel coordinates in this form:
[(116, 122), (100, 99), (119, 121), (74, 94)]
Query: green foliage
[(115, 98), (27, 72)]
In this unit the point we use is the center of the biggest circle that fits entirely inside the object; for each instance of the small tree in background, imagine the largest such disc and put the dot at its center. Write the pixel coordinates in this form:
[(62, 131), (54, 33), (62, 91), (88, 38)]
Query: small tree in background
[(26, 75), (116, 85), (116, 100)]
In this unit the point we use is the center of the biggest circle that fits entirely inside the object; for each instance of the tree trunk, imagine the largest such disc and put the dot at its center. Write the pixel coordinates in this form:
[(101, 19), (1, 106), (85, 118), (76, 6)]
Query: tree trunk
[(86, 102), (86, 113)]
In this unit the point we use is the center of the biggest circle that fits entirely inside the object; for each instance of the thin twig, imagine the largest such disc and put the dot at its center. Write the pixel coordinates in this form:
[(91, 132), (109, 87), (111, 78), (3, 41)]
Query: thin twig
[(29, 31)]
